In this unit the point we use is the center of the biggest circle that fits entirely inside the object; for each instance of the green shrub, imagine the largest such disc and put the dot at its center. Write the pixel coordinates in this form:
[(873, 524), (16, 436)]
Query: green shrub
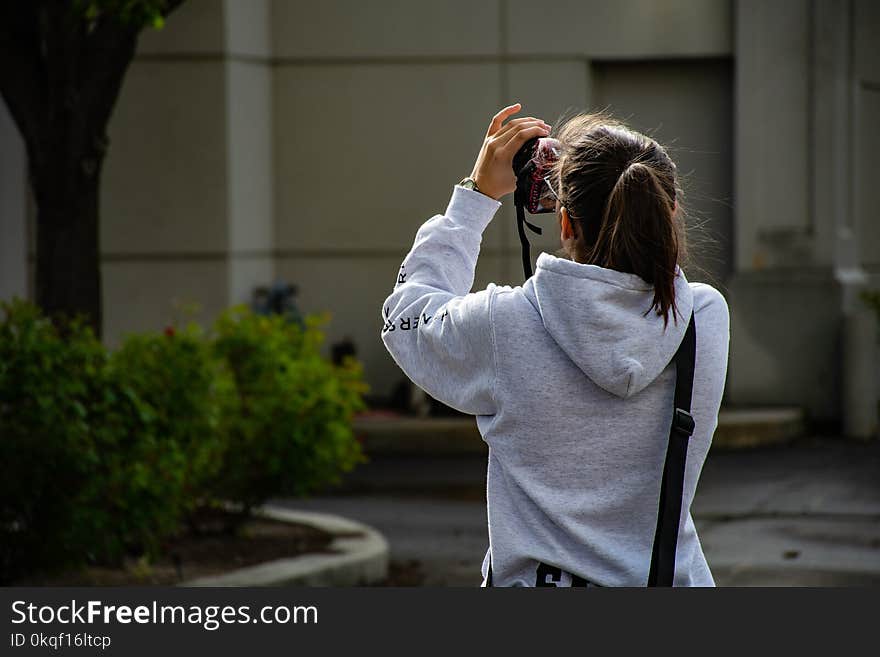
[(99, 455), (48, 455), (167, 435), (103, 455), (289, 426)]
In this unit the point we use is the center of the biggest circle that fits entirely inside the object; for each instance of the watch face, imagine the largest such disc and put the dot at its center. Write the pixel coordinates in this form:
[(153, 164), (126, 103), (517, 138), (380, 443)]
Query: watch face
[(468, 183)]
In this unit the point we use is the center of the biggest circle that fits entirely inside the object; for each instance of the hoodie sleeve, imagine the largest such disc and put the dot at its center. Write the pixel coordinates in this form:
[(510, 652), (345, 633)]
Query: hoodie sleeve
[(438, 333)]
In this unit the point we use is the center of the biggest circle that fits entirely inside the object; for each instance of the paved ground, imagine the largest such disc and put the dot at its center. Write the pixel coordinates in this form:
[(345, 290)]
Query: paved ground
[(807, 514)]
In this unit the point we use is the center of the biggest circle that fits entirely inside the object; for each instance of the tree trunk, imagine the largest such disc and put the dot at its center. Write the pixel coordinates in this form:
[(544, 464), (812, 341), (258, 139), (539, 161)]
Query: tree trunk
[(60, 75), (68, 267), (82, 69)]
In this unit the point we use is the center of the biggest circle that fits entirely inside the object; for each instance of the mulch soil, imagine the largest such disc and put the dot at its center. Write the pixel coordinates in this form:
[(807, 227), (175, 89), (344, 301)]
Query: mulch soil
[(211, 551)]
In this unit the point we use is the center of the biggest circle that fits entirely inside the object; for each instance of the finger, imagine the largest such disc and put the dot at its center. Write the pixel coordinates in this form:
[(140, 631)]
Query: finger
[(504, 133), (521, 137), (502, 138), (498, 119)]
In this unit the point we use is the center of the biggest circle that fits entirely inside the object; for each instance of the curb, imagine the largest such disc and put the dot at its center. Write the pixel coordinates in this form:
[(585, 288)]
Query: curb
[(456, 436), (758, 427), (425, 436), (360, 556)]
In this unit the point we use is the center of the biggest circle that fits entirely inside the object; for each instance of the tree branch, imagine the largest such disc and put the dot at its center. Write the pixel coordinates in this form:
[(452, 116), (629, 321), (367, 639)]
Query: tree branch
[(108, 51), (106, 55)]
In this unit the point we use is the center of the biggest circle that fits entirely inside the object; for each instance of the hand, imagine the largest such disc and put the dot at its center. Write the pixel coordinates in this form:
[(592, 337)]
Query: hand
[(493, 171)]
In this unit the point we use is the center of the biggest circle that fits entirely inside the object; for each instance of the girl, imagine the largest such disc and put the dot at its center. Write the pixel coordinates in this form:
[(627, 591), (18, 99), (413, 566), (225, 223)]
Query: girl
[(569, 376)]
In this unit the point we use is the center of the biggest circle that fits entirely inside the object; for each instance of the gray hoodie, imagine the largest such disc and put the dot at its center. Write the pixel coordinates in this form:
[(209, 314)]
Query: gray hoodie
[(571, 384)]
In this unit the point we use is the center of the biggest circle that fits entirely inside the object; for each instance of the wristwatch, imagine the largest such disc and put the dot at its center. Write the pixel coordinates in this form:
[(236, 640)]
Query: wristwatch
[(469, 183)]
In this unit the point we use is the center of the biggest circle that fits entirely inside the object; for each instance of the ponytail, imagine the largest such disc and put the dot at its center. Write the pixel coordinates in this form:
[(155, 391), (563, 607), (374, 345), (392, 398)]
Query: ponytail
[(638, 234), (620, 188)]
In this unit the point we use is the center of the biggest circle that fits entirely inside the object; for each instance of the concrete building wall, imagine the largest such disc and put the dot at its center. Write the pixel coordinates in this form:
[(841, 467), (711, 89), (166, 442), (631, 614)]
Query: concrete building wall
[(805, 93), (187, 200), (13, 210), (364, 153), (380, 108), (866, 137), (249, 136), (688, 106), (308, 141)]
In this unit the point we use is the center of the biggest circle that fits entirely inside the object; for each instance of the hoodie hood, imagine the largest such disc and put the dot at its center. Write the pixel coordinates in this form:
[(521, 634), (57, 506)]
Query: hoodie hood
[(597, 317)]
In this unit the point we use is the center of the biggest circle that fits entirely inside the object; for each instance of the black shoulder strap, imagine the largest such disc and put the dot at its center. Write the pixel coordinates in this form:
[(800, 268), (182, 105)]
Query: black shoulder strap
[(672, 488)]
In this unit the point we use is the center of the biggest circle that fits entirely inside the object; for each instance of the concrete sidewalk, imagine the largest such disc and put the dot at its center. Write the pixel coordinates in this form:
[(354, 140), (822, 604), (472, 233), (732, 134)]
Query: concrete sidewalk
[(806, 514)]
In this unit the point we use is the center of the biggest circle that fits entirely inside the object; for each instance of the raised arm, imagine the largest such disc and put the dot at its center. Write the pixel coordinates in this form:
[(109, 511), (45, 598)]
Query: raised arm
[(438, 332)]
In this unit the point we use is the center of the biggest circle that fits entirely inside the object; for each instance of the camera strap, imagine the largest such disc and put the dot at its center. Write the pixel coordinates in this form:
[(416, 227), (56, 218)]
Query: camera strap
[(521, 223), (662, 571)]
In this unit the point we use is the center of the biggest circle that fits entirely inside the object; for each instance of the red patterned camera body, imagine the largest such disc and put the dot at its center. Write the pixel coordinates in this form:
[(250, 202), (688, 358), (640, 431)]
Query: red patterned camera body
[(532, 163)]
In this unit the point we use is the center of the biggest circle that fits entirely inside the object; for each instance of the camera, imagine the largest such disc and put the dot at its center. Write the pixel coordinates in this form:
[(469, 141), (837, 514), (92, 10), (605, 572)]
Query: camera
[(532, 165)]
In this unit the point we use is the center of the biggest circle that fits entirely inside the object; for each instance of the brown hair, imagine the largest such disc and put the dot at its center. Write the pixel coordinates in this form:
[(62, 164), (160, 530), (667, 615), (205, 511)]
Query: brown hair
[(620, 190)]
